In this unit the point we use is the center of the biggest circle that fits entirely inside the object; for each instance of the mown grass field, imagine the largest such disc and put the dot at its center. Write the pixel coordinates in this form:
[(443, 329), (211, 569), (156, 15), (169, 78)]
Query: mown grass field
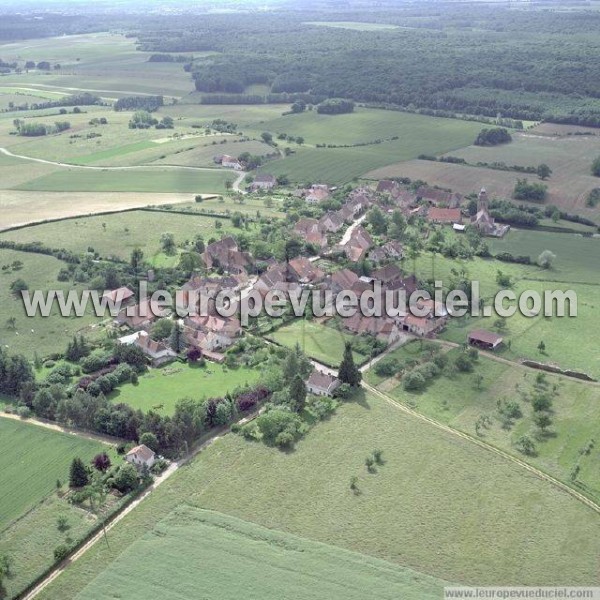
[(175, 180), (32, 459), (168, 384), (118, 234), (228, 559), (321, 342), (44, 335), (459, 401), (569, 157), (439, 505)]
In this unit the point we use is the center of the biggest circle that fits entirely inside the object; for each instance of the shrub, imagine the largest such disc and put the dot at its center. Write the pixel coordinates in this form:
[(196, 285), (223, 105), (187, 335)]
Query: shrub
[(413, 381), (61, 552)]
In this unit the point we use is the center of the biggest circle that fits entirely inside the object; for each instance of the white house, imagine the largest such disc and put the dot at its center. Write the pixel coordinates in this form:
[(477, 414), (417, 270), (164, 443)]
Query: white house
[(231, 163), (322, 384), (140, 456)]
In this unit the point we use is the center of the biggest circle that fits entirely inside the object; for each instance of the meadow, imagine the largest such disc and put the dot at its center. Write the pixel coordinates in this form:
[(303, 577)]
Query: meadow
[(27, 335), (569, 157), (322, 342), (460, 401), (118, 234), (228, 559), (166, 385), (438, 505), (32, 459)]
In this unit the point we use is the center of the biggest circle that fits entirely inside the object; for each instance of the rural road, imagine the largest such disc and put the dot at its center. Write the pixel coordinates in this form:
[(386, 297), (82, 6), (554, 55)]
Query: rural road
[(236, 184), (7, 152), (159, 480), (348, 233), (54, 427)]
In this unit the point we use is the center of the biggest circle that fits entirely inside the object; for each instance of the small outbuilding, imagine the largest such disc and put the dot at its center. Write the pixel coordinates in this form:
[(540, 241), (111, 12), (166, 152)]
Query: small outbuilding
[(482, 338)]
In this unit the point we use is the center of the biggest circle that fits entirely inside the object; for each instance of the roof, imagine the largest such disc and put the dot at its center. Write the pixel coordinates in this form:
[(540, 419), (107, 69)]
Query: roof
[(305, 269), (118, 295), (485, 337), (142, 451), (386, 185), (321, 380), (388, 273), (444, 215), (264, 178), (344, 278)]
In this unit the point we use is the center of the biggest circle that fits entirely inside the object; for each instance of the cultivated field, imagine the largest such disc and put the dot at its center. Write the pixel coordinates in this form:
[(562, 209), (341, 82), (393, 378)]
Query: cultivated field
[(427, 508), (569, 157), (32, 459), (228, 559), (165, 386)]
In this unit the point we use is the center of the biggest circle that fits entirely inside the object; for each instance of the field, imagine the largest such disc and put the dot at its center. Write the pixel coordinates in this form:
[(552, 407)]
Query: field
[(118, 234), (321, 342), (228, 559), (106, 63), (459, 402), (417, 134), (354, 25), (427, 508), (33, 458), (162, 179), (35, 334), (166, 385), (569, 157)]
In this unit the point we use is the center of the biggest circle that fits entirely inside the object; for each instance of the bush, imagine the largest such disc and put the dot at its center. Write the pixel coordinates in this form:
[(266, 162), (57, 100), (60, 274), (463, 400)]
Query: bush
[(386, 367), (126, 479), (61, 552), (463, 363), (414, 381)]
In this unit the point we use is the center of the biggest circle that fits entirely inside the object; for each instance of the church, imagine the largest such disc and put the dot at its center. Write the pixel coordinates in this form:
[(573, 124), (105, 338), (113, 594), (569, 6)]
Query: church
[(483, 221)]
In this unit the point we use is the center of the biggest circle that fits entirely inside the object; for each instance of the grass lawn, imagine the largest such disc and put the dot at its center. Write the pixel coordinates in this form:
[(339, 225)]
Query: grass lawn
[(321, 342), (118, 234), (136, 180), (439, 505), (166, 385), (460, 403), (229, 559), (44, 335), (32, 459)]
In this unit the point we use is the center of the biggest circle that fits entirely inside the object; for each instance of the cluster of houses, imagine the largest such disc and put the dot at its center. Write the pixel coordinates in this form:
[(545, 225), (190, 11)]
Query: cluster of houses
[(213, 334)]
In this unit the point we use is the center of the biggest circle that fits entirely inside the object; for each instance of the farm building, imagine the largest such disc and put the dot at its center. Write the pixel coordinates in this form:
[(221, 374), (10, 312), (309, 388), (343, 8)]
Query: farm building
[(141, 456), (263, 181), (484, 339), (444, 215)]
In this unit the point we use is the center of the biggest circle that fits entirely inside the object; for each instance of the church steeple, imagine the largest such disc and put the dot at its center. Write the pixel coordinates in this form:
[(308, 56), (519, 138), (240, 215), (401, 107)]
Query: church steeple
[(482, 201)]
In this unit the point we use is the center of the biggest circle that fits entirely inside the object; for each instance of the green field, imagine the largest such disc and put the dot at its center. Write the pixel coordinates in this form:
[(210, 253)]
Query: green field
[(229, 559), (459, 402), (321, 342), (439, 505), (118, 234), (417, 134), (135, 180), (168, 384), (35, 334), (32, 459), (354, 25)]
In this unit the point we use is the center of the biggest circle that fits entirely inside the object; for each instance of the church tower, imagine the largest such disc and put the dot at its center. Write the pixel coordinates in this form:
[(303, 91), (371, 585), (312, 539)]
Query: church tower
[(482, 201)]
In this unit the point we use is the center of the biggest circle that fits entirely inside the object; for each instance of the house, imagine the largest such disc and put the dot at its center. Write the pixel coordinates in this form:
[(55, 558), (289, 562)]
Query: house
[(359, 243), (438, 197), (387, 186), (342, 280), (331, 222), (211, 332), (231, 163), (484, 339), (383, 328), (317, 193), (263, 181), (421, 326), (310, 231), (142, 315), (483, 221), (322, 384), (226, 255), (141, 456), (270, 278), (303, 270), (158, 352), (444, 215), (389, 250), (122, 296), (387, 274)]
